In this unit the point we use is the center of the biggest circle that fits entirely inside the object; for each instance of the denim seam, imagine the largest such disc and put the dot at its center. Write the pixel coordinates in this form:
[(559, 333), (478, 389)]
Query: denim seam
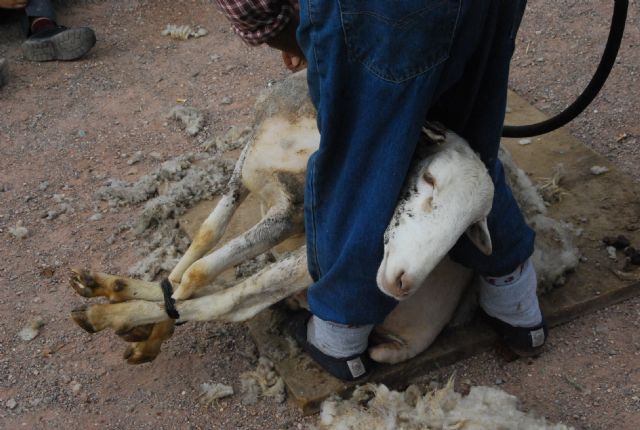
[(391, 22), (313, 220)]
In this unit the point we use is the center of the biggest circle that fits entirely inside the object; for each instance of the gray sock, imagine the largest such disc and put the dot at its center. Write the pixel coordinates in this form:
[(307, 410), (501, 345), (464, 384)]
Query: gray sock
[(338, 340), (512, 298)]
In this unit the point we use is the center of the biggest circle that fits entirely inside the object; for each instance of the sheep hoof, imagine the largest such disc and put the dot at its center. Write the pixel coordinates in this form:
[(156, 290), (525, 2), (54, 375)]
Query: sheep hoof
[(83, 282), (136, 334), (138, 354), (81, 318)]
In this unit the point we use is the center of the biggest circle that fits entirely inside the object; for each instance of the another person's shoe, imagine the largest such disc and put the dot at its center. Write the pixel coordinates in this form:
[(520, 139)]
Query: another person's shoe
[(59, 43), (347, 369), (524, 341)]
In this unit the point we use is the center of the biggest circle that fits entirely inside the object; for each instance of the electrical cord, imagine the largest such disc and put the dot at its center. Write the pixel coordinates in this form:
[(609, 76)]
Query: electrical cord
[(600, 76)]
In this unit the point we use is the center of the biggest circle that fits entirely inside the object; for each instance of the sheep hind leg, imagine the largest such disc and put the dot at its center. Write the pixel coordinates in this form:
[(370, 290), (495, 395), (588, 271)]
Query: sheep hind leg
[(147, 350), (90, 284), (235, 304), (291, 271), (116, 288)]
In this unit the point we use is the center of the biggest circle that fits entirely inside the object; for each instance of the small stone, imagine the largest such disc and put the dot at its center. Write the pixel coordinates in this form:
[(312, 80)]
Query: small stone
[(226, 100), (524, 141), (82, 133), (11, 403), (75, 387), (611, 252), (598, 170), (95, 217), (135, 158), (500, 381), (28, 334), (43, 186), (156, 156)]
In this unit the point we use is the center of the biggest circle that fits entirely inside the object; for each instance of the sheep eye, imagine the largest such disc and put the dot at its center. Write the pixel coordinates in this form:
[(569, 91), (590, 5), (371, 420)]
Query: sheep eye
[(426, 176)]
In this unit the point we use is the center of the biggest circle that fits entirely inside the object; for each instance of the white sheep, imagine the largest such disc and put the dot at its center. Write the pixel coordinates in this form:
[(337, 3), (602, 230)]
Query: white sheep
[(449, 178)]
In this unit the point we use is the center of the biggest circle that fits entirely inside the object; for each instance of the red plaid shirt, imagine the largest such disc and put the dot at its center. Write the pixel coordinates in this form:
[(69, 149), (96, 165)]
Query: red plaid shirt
[(257, 21)]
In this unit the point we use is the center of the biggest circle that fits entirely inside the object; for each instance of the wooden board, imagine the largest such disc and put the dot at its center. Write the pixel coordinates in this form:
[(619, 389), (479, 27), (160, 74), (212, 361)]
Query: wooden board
[(605, 205)]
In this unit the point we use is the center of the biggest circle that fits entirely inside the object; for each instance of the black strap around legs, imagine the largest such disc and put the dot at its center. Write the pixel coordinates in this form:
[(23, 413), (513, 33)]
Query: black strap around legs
[(169, 302)]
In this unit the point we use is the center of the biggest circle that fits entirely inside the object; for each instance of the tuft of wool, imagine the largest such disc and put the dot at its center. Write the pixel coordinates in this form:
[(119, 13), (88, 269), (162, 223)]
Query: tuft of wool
[(376, 407), (210, 392), (183, 32), (191, 118), (555, 252), (262, 382)]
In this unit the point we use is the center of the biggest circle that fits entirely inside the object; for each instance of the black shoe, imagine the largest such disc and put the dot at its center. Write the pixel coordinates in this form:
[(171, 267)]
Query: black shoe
[(524, 341), (347, 369), (59, 43)]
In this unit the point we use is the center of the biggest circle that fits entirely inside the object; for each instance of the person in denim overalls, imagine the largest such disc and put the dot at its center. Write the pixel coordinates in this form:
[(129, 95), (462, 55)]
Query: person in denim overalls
[(376, 70)]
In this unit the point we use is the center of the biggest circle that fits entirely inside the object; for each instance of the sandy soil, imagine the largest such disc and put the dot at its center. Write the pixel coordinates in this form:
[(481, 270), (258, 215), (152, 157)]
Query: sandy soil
[(64, 128)]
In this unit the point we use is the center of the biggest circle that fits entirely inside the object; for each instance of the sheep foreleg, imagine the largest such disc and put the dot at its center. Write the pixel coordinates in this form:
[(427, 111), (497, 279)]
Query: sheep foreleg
[(281, 221)]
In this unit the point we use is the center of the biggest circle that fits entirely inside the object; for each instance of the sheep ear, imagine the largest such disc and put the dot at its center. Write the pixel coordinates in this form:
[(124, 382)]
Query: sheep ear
[(478, 233)]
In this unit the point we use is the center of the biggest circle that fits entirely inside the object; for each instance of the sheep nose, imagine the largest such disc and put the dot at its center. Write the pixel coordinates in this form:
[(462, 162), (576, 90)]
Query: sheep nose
[(402, 285)]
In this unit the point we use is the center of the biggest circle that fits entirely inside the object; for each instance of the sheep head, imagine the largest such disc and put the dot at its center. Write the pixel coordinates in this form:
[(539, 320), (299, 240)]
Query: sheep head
[(448, 192)]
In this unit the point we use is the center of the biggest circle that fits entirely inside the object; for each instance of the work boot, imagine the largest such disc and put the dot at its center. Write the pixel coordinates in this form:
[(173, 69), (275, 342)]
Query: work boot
[(58, 43), (523, 341), (349, 368)]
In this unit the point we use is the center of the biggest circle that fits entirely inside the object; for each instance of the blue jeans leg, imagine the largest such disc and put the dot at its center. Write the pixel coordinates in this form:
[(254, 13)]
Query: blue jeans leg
[(375, 72), (37, 8), (474, 107)]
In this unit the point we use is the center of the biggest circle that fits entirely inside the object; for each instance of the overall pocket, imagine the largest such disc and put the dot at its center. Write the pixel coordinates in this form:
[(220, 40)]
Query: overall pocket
[(399, 39)]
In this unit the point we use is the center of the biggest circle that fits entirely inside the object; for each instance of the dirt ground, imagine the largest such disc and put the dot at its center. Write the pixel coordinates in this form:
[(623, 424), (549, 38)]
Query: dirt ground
[(66, 127)]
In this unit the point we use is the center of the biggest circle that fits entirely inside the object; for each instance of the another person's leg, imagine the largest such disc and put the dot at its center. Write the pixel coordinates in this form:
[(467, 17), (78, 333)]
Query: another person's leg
[(46, 40)]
